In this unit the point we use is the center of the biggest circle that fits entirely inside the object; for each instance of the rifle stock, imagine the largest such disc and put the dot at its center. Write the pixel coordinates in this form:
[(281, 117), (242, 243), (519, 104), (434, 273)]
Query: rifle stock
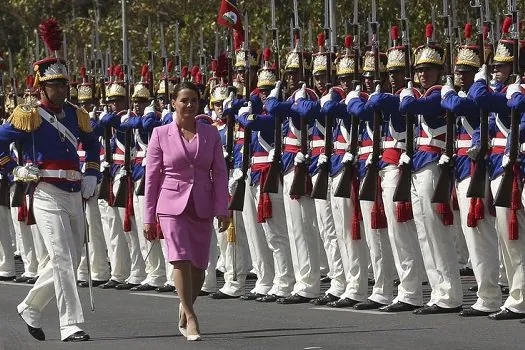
[(344, 188), (237, 198), (404, 184), (300, 178), (122, 194), (369, 187), (20, 187), (105, 183)]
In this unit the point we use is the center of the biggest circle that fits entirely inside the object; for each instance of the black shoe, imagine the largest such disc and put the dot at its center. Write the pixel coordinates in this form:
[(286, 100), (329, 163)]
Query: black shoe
[(219, 273), (399, 307), (17, 257), (165, 289), (220, 295), (397, 282), (466, 271), (371, 282), (251, 296), (326, 279), (126, 286), (146, 287), (270, 298), (8, 278), (504, 289), (204, 293), (85, 284), (323, 300), (434, 309), (473, 288), (506, 314), (78, 336), (22, 279), (424, 283), (470, 312), (32, 280), (251, 276), (110, 284), (345, 302), (368, 305), (294, 299), (37, 333)]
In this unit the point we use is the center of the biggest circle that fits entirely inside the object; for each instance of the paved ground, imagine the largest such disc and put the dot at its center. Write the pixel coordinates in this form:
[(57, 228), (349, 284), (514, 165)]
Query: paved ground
[(128, 321)]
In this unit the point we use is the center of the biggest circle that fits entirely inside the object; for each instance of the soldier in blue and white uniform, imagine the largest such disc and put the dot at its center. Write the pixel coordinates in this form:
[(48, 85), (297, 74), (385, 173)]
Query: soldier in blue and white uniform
[(50, 134)]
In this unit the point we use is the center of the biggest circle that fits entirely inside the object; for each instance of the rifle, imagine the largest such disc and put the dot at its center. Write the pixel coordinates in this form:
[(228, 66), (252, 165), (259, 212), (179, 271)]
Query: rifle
[(4, 182), (320, 189), (237, 198), (345, 184), (150, 63), (105, 191), (164, 62), (504, 196), (123, 191), (478, 179), (404, 184), (445, 180), (369, 188), (274, 174)]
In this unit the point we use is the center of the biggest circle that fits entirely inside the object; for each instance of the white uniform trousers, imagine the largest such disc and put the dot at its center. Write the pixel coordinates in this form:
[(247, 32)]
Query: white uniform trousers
[(304, 240), (482, 244), (155, 262), (403, 243), (60, 219), (242, 264), (436, 241), (513, 253), (502, 276), (461, 243), (277, 241), (138, 267), (210, 274), (24, 238), (353, 252), (221, 244), (167, 264), (326, 225), (40, 249), (262, 259), (7, 258), (98, 257)]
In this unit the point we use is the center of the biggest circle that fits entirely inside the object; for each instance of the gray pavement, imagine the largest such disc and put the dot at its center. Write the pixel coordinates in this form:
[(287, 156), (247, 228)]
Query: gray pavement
[(128, 321)]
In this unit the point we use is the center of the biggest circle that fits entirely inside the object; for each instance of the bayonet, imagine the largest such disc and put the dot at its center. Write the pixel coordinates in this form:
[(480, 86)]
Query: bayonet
[(177, 51), (216, 47), (291, 35), (433, 20), (37, 46), (333, 28), (310, 36)]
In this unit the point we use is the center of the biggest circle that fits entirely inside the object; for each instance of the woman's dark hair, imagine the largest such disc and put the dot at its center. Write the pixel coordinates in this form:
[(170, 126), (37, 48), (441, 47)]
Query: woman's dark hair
[(185, 85)]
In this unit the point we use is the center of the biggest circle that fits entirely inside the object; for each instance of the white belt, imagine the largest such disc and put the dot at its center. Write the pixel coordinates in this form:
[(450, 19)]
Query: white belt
[(259, 160), (70, 175), (341, 145), (365, 150), (425, 141), (522, 147), (292, 142), (118, 157), (463, 144), (141, 154), (498, 142), (393, 144), (317, 143), (239, 134), (81, 153)]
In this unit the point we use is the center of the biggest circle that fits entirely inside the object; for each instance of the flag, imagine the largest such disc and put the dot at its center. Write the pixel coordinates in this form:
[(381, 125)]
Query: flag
[(229, 15)]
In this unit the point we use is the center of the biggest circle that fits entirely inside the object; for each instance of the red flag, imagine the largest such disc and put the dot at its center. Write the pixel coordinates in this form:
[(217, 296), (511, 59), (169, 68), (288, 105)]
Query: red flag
[(230, 16)]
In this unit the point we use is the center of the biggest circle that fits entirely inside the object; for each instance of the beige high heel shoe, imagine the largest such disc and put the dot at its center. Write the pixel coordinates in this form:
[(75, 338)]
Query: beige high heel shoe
[(182, 330), (194, 337)]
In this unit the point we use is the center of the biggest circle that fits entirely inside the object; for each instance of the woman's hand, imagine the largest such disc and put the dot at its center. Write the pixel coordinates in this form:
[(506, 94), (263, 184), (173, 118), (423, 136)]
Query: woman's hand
[(150, 232), (224, 222)]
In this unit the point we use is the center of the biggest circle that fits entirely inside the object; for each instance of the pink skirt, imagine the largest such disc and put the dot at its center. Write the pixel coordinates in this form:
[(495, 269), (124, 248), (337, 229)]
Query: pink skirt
[(188, 236)]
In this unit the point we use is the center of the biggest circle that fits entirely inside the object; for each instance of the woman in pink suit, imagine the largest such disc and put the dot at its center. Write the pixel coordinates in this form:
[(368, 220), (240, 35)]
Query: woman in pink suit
[(186, 187)]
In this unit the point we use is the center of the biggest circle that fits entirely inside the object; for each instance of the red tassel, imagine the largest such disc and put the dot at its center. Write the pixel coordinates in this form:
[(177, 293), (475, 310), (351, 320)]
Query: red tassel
[(513, 225), (471, 216), (448, 218), (455, 203), (264, 207), (404, 211), (442, 208), (30, 216), (410, 213), (129, 206), (356, 229), (480, 209), (378, 209), (516, 193), (356, 217), (22, 212)]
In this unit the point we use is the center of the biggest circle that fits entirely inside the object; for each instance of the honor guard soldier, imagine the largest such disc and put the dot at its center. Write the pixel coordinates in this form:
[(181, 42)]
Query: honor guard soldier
[(435, 233), (50, 134)]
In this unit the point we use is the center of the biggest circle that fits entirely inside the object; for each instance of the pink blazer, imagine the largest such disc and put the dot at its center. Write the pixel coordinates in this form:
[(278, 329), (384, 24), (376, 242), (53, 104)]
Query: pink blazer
[(171, 177)]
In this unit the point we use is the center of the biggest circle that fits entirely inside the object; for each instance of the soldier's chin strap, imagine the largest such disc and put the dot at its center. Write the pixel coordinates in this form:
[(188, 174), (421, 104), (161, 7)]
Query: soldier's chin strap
[(48, 103)]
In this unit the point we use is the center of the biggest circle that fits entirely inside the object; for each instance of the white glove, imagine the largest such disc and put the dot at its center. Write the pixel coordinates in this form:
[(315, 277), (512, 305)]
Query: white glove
[(125, 117), (505, 160), (150, 108), (227, 103), (246, 109), (271, 155), (347, 158), (513, 88), (322, 159), (444, 159), (275, 91), (93, 113), (164, 112), (104, 112), (407, 91), (88, 186), (353, 94), (224, 153), (232, 183), (26, 173), (473, 152), (301, 93), (376, 91), (300, 158), (481, 75), (449, 86), (404, 159), (104, 165), (328, 97), (369, 159), (122, 172)]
